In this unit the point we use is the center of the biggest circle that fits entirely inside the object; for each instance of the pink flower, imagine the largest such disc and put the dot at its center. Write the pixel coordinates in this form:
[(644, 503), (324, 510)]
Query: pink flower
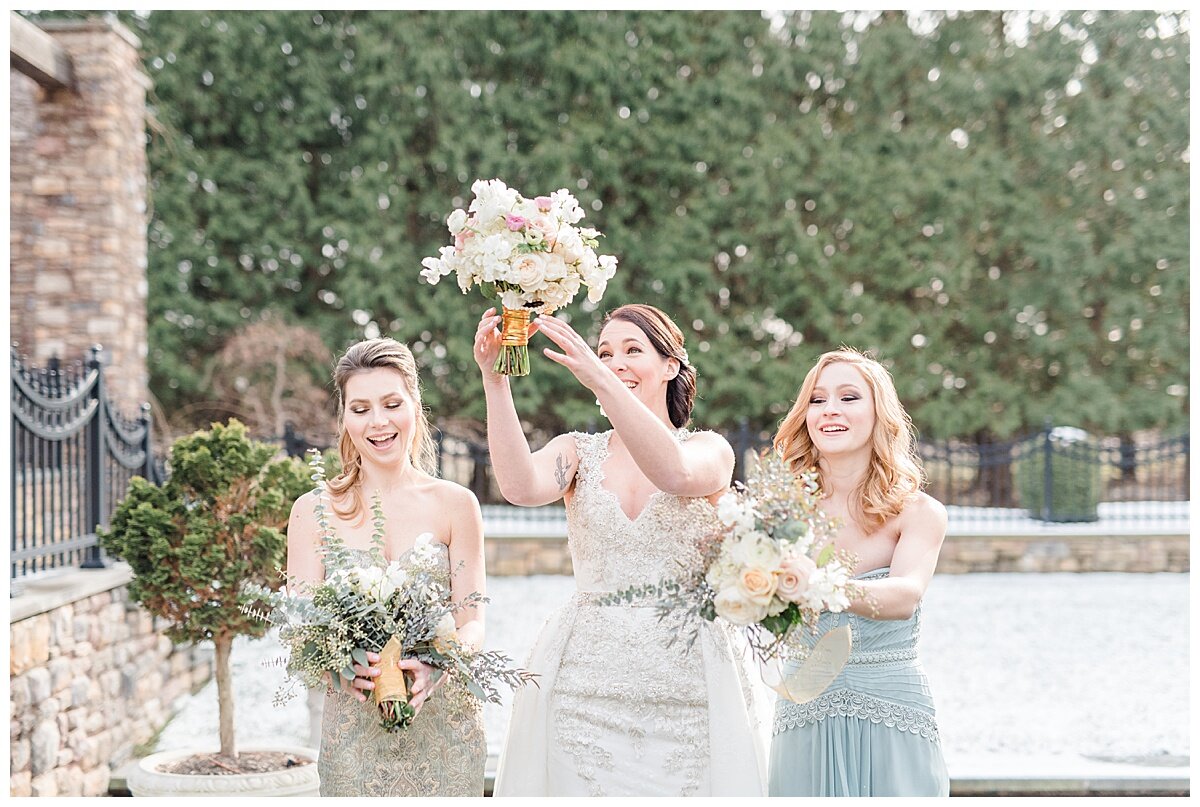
[(543, 203), (514, 221), (793, 576), (461, 238)]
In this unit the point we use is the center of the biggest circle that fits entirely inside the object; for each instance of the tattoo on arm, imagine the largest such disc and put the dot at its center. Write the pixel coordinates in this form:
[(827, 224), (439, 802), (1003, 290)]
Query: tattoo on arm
[(561, 466)]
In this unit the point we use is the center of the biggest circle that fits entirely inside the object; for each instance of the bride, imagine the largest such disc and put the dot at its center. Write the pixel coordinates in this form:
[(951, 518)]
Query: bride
[(617, 712)]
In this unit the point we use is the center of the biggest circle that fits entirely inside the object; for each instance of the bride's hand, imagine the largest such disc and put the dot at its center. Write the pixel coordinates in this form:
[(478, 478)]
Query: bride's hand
[(423, 684), (576, 355), (487, 342)]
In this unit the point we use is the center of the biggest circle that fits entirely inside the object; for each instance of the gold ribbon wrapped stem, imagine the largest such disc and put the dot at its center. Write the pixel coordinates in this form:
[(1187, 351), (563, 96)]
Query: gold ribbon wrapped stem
[(390, 684), (391, 690), (514, 343), (515, 327)]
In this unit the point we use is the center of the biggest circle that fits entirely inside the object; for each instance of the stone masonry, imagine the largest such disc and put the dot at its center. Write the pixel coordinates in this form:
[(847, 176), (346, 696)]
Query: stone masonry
[(89, 681), (960, 554), (78, 207)]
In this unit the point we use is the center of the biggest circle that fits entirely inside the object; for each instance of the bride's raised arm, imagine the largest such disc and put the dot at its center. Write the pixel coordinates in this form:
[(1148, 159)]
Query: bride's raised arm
[(525, 477), (701, 466)]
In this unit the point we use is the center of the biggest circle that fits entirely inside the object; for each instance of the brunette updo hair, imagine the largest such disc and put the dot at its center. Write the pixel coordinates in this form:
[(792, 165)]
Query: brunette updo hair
[(667, 340), (373, 354)]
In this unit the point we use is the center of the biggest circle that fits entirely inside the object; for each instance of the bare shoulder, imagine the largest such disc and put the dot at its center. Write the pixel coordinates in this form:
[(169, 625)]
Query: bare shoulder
[(923, 511), (304, 511), (453, 496), (564, 444)]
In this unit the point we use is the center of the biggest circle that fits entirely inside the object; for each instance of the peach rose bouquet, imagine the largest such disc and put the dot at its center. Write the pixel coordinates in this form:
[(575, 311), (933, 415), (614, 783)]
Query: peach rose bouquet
[(527, 253), (769, 568)]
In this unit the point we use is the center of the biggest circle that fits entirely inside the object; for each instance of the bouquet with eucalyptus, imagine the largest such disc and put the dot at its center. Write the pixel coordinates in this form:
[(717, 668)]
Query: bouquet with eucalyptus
[(769, 568), (400, 608)]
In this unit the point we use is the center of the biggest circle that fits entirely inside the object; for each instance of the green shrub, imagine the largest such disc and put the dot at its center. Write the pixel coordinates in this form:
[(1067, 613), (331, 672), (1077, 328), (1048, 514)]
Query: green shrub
[(217, 523), (1074, 477)]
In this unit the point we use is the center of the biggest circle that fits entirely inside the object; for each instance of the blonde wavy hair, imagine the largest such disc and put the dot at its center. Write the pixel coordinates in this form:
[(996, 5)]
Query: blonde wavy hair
[(894, 473), (373, 354)]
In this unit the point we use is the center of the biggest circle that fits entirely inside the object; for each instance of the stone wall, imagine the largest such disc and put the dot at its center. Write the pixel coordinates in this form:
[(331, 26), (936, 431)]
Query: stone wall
[(1071, 553), (91, 677), (77, 212)]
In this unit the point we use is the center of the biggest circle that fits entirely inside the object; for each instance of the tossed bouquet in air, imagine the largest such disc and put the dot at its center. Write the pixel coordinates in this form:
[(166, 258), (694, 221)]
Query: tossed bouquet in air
[(527, 253), (768, 569), (400, 609)]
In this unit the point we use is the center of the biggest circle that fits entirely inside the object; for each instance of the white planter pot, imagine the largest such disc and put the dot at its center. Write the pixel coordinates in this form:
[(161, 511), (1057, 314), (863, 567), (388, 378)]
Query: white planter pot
[(146, 780)]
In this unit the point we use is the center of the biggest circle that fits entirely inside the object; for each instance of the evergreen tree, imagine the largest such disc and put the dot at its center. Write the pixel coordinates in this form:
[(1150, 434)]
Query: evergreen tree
[(1001, 215)]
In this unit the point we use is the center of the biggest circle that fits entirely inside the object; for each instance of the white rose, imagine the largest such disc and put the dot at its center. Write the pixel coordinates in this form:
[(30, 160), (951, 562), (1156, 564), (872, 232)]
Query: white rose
[(556, 267), (754, 548), (571, 284), (529, 271), (554, 295), (723, 572), (569, 245), (456, 221), (736, 609)]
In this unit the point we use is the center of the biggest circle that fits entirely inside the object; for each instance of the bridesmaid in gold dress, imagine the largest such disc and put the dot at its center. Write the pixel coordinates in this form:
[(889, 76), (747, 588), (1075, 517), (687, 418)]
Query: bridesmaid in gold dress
[(385, 446)]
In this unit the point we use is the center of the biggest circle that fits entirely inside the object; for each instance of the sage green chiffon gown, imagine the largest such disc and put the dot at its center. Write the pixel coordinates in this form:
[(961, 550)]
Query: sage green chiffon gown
[(873, 732)]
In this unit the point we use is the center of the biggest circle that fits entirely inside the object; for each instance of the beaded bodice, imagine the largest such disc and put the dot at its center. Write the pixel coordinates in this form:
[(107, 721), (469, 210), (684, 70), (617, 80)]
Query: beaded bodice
[(609, 550)]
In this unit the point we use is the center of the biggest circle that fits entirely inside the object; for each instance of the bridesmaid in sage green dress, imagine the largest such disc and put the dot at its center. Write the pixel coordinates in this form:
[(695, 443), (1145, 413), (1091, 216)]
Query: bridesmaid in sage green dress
[(873, 731), (385, 445)]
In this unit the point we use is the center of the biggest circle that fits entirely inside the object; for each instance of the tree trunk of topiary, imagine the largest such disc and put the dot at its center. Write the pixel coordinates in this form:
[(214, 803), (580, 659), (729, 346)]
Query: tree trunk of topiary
[(224, 645)]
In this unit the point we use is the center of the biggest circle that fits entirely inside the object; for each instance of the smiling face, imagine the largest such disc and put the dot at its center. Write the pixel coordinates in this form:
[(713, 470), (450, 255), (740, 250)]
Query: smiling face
[(626, 350), (841, 412), (380, 415)]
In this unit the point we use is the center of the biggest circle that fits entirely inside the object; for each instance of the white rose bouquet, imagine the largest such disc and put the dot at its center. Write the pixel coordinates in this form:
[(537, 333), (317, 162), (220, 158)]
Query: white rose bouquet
[(527, 253), (768, 569), (398, 609)]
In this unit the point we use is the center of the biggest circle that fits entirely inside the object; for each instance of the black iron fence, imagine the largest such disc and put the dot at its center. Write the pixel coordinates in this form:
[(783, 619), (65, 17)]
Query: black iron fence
[(1055, 475), (72, 456)]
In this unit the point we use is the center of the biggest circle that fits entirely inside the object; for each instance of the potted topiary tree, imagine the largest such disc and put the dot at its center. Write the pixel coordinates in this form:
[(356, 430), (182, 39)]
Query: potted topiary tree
[(217, 523)]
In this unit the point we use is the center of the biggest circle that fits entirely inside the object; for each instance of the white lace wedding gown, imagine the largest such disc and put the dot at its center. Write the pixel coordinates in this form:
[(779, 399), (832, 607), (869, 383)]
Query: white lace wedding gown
[(618, 713)]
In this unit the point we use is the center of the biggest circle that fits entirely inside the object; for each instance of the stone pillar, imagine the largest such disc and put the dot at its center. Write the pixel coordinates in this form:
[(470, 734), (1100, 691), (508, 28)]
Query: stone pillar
[(78, 207)]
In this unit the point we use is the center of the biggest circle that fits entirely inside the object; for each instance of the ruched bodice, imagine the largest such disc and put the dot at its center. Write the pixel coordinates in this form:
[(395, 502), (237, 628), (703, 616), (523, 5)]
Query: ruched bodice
[(876, 641), (610, 551)]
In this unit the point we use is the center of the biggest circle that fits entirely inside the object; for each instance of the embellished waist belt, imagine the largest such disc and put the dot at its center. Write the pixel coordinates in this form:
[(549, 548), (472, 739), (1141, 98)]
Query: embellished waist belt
[(883, 656)]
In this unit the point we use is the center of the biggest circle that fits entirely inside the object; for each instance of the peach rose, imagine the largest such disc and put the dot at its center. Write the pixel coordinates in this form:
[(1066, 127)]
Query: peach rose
[(758, 585)]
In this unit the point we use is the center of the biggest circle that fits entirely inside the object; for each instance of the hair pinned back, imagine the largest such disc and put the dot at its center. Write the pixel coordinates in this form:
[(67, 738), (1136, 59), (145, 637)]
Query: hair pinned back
[(374, 354)]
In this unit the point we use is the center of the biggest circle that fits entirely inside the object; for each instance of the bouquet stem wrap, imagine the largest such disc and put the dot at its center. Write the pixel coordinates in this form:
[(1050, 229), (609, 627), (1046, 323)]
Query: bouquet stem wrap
[(514, 341), (391, 691)]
